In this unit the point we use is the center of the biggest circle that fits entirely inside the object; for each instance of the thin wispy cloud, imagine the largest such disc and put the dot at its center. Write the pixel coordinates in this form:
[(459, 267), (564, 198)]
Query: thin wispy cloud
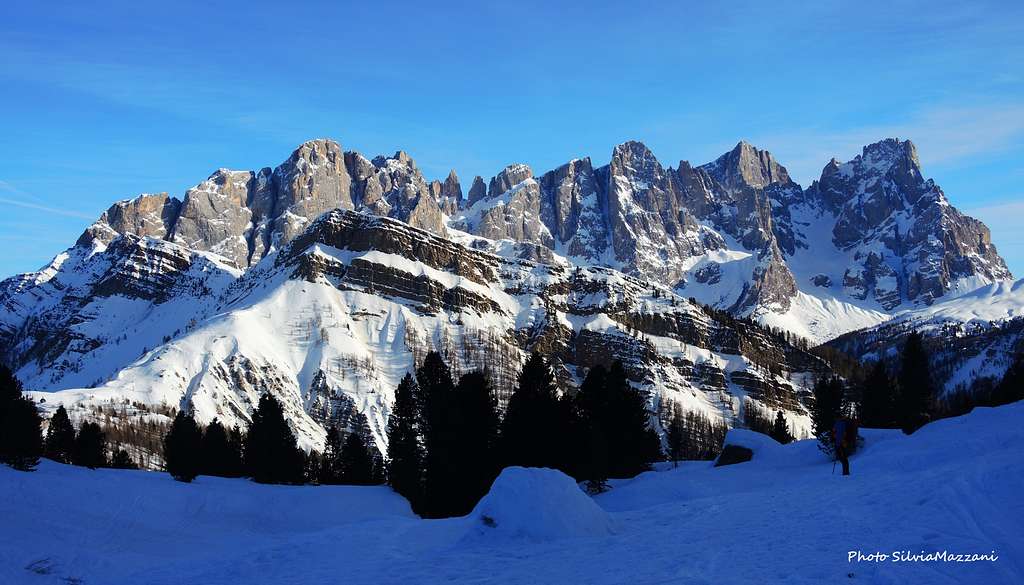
[(944, 135), (46, 208)]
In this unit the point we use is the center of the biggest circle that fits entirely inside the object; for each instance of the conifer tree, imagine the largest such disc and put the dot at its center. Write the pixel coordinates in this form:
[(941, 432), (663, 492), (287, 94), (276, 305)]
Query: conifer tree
[(90, 446), (330, 460), (218, 456), (534, 421), (10, 388), (355, 465), (675, 435), (405, 451), (183, 448), (380, 472), (634, 446), (828, 404), (236, 446), (1011, 387), (271, 451), (613, 419), (60, 437), (917, 390), (780, 429), (591, 444), (122, 460), (21, 439), (878, 398), (477, 439), (439, 420)]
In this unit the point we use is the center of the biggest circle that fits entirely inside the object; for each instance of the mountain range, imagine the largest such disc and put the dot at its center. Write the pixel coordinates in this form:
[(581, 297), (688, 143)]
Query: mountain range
[(324, 279)]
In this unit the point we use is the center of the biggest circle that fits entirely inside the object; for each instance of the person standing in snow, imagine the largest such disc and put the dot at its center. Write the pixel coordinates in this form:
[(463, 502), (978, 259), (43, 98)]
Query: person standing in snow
[(844, 436)]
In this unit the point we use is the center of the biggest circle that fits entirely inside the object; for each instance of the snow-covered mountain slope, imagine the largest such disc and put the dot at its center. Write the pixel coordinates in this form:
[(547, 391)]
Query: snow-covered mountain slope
[(972, 336), (951, 487), (995, 302), (96, 307), (332, 321), (871, 237), (243, 285)]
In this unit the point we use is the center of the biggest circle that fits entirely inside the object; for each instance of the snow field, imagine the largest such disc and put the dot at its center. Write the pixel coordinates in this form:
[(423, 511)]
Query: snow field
[(782, 518)]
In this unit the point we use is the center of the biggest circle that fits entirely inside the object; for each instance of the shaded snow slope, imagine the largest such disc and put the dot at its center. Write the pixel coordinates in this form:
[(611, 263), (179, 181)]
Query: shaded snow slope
[(969, 337), (782, 518), (331, 323), (536, 505)]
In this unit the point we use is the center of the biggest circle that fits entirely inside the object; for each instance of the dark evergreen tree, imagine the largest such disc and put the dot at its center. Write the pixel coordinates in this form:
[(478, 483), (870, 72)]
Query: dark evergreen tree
[(355, 465), (236, 445), (330, 459), (439, 421), (271, 452), (633, 445), (60, 437), (478, 439), (534, 420), (405, 450), (1011, 388), (613, 420), (380, 470), (10, 388), (183, 448), (828, 405), (780, 429), (21, 438), (122, 460), (675, 435), (90, 446), (917, 390), (219, 456), (590, 431), (878, 398)]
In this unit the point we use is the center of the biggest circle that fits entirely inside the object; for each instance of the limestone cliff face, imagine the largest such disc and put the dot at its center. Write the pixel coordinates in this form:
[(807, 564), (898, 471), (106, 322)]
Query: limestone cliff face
[(907, 242), (146, 215), (244, 215), (734, 231), (324, 279)]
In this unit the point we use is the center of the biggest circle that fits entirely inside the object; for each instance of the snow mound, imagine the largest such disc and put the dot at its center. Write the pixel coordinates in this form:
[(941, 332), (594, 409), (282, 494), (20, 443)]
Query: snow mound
[(536, 504), (759, 443)]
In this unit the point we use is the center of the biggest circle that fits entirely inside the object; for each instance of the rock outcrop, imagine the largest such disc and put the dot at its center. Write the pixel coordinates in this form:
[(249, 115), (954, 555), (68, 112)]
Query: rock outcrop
[(906, 242)]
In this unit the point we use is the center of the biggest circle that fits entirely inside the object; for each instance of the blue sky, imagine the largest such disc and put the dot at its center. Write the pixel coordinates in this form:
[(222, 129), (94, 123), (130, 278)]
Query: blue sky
[(102, 101)]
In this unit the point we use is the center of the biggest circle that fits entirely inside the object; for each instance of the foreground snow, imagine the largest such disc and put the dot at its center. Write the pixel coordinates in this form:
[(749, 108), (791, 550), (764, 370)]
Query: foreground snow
[(782, 518)]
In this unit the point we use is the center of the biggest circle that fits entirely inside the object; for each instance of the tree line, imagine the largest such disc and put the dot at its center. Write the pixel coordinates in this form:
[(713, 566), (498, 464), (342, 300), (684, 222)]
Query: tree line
[(22, 442), (447, 441), (907, 398), (267, 451)]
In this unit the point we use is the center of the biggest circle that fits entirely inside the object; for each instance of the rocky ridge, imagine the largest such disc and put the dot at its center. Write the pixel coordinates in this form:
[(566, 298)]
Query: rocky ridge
[(326, 278)]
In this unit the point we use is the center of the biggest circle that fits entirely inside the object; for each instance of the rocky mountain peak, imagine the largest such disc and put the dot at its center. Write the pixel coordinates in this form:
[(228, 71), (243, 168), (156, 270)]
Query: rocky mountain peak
[(891, 151), (148, 215), (477, 191), (451, 188), (509, 177), (747, 166), (633, 155), (740, 219), (317, 152)]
